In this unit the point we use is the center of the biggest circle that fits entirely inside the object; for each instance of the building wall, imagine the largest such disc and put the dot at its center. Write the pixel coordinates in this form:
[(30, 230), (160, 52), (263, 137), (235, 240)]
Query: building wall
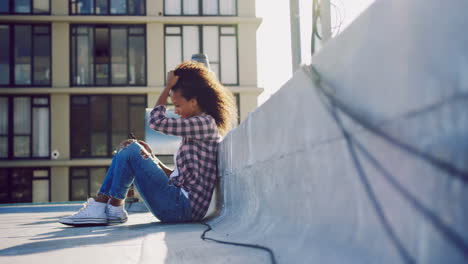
[(60, 91)]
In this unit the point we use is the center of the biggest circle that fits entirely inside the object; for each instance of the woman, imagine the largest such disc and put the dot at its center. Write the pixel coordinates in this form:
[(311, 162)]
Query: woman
[(206, 110)]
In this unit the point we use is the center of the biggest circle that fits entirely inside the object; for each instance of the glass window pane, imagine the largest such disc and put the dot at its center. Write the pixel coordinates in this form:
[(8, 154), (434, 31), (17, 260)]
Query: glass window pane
[(79, 189), (83, 7), (22, 115), (96, 177), (215, 69), (118, 137), (80, 127), (119, 119), (80, 100), (4, 6), (119, 55), (3, 147), (23, 54), (41, 132), (21, 185), (136, 7), (173, 52), (137, 124), (41, 6), (137, 60), (227, 7), (191, 41), (102, 53), (22, 6), (210, 7), (41, 101), (3, 115), (41, 30), (228, 30), (210, 43), (41, 60), (40, 191), (229, 60), (73, 57), (99, 144), (172, 7), (119, 113), (40, 173), (84, 74), (138, 100), (4, 186), (173, 30), (118, 7), (137, 30), (99, 125), (190, 7), (101, 7), (21, 146), (79, 172), (4, 54)]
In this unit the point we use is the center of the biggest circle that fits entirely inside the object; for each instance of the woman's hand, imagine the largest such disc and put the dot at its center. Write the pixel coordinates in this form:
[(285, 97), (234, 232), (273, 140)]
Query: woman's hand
[(171, 80), (147, 152)]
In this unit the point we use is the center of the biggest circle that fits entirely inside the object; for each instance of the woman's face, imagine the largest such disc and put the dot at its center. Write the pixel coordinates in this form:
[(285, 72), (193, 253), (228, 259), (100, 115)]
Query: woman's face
[(183, 107)]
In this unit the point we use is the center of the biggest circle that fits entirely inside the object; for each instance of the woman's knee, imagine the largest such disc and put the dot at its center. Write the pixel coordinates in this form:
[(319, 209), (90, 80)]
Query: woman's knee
[(131, 150)]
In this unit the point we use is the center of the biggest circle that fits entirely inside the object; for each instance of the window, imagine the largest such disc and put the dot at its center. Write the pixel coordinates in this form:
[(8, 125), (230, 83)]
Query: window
[(25, 7), (24, 185), (218, 42), (100, 122), (25, 55), (237, 97), (85, 182), (107, 7), (24, 127), (200, 7), (108, 55)]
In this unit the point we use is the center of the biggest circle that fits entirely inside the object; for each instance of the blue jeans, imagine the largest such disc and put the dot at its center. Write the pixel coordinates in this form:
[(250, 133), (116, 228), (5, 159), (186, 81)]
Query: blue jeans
[(166, 201)]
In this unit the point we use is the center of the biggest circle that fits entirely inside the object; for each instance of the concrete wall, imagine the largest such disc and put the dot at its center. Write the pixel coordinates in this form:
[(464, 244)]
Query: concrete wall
[(291, 181)]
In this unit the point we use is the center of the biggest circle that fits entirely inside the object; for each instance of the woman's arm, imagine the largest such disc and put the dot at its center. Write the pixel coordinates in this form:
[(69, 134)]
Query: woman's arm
[(196, 127), (149, 153), (171, 81)]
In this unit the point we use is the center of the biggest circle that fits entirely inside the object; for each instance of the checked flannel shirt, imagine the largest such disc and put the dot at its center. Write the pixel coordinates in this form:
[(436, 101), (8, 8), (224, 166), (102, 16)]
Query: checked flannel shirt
[(197, 155)]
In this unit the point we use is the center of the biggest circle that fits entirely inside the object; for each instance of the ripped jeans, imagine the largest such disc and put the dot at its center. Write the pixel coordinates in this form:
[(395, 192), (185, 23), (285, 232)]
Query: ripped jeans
[(165, 201)]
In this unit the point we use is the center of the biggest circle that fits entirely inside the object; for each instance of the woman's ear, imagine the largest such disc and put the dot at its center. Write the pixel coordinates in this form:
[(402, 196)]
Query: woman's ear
[(193, 102)]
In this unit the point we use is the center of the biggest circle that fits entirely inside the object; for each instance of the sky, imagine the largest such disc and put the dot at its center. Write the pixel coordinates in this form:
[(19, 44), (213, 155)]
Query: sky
[(274, 38)]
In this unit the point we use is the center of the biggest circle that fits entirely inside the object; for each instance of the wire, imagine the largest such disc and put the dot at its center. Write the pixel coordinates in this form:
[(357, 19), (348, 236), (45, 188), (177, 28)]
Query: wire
[(203, 237), (340, 17)]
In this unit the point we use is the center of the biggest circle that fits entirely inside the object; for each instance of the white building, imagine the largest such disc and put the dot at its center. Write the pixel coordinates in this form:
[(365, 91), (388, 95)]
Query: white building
[(76, 76)]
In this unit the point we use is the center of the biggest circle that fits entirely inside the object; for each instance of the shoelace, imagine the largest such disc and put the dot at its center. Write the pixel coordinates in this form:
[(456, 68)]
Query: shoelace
[(82, 209)]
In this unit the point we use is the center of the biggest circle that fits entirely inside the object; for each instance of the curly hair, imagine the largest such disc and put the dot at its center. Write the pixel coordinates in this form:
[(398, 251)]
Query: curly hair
[(196, 81)]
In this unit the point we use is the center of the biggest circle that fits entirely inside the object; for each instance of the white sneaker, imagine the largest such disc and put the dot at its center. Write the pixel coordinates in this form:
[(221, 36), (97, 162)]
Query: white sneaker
[(92, 213), (116, 214)]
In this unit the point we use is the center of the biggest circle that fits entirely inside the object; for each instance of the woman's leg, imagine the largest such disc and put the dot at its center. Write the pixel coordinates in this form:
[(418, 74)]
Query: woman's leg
[(103, 193), (165, 201)]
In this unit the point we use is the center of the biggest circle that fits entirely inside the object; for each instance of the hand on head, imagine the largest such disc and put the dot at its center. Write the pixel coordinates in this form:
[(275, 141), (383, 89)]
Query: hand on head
[(171, 79)]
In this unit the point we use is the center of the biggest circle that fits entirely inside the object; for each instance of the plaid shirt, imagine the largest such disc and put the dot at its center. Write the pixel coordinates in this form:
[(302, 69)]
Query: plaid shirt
[(196, 157)]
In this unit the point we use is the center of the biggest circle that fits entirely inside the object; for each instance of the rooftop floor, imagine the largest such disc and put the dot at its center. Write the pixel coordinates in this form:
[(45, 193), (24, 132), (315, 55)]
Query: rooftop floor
[(31, 234)]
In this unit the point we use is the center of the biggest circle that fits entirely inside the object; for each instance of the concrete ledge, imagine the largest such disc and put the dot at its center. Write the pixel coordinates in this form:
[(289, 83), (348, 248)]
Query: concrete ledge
[(293, 183)]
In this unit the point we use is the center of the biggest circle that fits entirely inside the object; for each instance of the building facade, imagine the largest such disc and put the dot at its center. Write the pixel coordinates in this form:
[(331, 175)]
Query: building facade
[(77, 75)]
